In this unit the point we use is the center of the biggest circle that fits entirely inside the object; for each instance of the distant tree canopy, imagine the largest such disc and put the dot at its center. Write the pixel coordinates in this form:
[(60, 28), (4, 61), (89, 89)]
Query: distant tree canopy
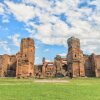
[(58, 57)]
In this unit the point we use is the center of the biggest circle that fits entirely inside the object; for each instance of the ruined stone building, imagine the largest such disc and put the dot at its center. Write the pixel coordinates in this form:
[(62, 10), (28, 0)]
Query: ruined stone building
[(21, 64), (74, 64), (75, 58), (79, 64), (56, 68), (25, 58), (7, 65)]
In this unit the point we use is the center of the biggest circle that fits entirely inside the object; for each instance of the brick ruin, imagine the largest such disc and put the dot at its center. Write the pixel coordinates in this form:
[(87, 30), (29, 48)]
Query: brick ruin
[(75, 64), (58, 68), (21, 64), (7, 65), (25, 59), (75, 58)]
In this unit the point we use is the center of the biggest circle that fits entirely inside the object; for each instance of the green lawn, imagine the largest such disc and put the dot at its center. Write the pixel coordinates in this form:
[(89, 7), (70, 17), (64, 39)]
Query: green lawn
[(75, 89)]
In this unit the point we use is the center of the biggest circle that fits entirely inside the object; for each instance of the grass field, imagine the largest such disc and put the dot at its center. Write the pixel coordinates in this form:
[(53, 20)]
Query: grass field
[(27, 89)]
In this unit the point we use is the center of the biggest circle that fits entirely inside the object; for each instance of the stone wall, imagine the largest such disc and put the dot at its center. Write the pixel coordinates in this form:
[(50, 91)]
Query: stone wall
[(8, 65), (1, 63), (75, 58), (21, 64), (48, 69), (97, 65), (38, 71), (25, 58), (56, 68), (89, 66), (76, 64)]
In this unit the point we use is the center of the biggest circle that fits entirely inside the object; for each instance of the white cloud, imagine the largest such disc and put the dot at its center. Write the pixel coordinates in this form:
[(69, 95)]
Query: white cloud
[(62, 54), (47, 60), (84, 21), (15, 39), (4, 46), (4, 12), (39, 3), (1, 9), (38, 60), (46, 50), (22, 12), (5, 19)]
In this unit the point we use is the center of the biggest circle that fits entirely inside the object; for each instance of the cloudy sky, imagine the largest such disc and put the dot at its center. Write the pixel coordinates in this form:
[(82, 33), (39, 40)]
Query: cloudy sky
[(50, 23)]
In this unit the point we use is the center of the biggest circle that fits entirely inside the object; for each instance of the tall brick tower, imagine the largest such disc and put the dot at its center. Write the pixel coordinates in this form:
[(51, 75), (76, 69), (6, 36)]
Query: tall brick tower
[(75, 58), (25, 58)]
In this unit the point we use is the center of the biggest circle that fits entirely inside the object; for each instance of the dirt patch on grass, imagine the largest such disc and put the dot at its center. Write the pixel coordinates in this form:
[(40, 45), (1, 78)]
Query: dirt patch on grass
[(51, 81)]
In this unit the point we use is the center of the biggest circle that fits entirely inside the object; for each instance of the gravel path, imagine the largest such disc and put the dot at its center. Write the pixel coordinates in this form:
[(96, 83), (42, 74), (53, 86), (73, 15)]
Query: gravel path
[(51, 81)]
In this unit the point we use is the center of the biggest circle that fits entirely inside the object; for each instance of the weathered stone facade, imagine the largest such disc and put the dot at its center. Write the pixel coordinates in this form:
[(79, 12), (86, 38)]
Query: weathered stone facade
[(25, 59), (57, 68), (75, 58), (21, 64), (48, 69), (8, 65), (79, 64), (75, 64)]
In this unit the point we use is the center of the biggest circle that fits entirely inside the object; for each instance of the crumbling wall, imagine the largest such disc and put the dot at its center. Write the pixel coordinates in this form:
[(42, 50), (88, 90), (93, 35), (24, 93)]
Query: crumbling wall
[(75, 58), (7, 65), (11, 70), (25, 58), (89, 72), (97, 65)]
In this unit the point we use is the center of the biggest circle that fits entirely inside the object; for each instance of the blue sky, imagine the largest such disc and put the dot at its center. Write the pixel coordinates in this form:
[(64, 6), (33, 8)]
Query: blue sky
[(50, 23)]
